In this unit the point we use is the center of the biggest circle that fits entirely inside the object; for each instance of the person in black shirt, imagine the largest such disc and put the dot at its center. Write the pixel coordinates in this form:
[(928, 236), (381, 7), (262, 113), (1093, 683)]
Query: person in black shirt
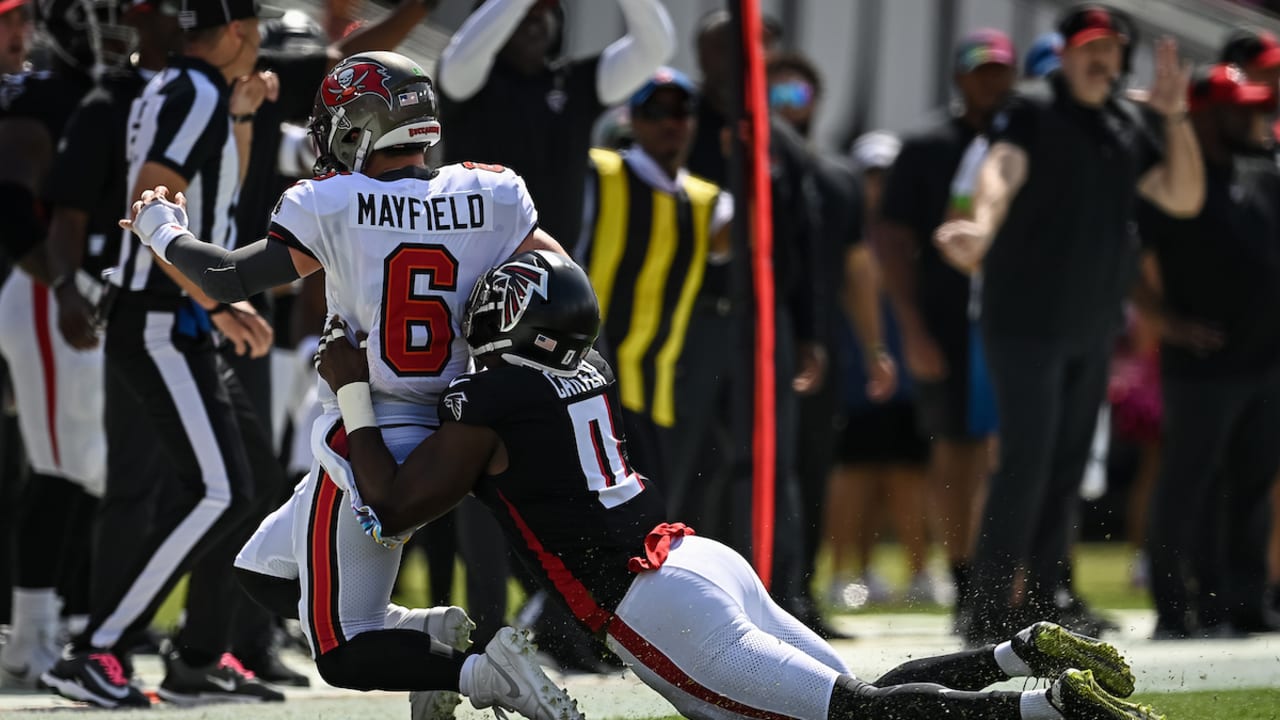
[(802, 302), (48, 533), (795, 88), (1257, 53), (1219, 270), (536, 435), (510, 100), (932, 301), (1054, 206)]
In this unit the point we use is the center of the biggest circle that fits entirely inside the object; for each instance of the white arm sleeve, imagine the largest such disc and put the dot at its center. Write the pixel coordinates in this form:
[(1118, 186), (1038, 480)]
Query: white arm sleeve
[(630, 60), (465, 63)]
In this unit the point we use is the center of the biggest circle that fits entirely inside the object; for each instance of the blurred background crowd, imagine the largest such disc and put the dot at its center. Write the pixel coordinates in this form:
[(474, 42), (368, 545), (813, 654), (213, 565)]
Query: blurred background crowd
[(1024, 273)]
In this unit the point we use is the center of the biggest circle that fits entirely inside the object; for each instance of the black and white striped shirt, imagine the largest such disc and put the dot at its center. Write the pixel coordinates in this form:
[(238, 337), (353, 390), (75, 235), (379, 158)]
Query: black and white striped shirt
[(181, 120)]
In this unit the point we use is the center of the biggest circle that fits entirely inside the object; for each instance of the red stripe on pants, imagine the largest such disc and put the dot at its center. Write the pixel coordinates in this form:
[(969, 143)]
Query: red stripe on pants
[(654, 659), (325, 630), (44, 342)]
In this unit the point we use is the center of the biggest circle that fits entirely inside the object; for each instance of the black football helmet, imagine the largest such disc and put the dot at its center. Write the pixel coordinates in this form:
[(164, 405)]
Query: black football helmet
[(293, 32), (372, 101), (537, 309), (87, 35)]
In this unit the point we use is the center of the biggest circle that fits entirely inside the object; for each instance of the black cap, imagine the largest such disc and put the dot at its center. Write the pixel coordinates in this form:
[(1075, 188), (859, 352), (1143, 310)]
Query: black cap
[(1252, 49), (200, 14)]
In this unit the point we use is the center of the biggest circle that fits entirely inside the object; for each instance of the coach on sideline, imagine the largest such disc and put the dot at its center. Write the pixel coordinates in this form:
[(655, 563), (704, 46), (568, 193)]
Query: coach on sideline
[(1219, 271), (1055, 207)]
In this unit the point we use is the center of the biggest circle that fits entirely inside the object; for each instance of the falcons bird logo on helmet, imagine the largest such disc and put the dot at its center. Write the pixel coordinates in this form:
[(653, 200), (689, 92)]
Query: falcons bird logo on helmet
[(362, 78), (519, 282)]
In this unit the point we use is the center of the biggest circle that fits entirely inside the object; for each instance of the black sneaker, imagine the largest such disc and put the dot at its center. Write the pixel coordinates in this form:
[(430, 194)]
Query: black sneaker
[(223, 681), (94, 676)]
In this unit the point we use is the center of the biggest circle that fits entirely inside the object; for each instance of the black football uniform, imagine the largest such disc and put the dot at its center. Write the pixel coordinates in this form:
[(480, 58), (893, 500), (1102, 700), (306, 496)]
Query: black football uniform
[(570, 503), (49, 99), (90, 171)]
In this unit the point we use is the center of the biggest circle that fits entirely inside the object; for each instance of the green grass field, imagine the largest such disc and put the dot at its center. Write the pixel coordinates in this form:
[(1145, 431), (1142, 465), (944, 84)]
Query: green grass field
[(1217, 705)]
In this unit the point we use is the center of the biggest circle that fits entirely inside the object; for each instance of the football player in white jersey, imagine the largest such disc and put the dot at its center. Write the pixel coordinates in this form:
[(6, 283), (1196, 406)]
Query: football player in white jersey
[(401, 245)]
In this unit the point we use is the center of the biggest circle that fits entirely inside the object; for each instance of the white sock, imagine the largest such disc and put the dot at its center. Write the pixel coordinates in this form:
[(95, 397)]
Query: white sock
[(34, 608), (464, 678), (1035, 705), (1010, 663)]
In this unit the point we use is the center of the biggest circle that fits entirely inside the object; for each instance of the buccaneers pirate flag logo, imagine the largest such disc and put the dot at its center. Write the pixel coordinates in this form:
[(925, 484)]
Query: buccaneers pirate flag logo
[(362, 78)]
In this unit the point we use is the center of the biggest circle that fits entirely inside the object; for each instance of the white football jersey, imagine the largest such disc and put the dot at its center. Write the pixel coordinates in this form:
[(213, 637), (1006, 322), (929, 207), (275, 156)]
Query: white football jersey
[(401, 254)]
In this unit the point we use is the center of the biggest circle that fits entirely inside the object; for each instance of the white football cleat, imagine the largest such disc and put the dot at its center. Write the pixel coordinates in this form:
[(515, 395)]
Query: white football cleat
[(508, 677)]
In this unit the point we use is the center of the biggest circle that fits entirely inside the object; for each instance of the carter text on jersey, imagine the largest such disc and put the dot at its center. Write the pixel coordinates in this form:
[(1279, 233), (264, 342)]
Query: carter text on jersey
[(445, 213), (587, 380)]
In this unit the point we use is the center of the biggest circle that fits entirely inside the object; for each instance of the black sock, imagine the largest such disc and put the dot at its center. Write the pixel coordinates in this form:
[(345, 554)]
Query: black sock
[(854, 699), (964, 670)]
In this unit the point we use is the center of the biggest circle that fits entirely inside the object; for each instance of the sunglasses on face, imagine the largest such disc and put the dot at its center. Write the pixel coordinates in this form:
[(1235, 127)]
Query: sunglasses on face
[(661, 111), (790, 95)]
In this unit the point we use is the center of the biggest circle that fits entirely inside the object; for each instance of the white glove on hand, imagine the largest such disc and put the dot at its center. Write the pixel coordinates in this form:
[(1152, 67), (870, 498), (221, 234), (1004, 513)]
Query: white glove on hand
[(159, 223)]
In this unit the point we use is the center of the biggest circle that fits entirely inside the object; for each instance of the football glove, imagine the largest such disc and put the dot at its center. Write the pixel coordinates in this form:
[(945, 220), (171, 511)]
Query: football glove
[(372, 527)]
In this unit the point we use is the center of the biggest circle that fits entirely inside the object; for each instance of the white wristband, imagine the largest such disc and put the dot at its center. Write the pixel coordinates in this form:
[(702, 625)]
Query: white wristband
[(164, 236), (356, 407)]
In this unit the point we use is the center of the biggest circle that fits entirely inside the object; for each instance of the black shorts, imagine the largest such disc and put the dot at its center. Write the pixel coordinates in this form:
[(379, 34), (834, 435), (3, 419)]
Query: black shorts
[(885, 434), (961, 406)]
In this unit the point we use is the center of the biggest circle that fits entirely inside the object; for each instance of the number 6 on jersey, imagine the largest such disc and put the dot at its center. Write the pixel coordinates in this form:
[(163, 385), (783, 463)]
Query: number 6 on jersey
[(417, 326)]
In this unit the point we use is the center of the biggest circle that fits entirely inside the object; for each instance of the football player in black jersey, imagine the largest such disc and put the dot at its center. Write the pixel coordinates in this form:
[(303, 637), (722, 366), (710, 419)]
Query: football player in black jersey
[(535, 434), (61, 431)]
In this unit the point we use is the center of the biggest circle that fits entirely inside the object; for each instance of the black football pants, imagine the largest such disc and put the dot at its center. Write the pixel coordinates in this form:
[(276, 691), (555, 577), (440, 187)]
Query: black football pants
[(1210, 511), (180, 490), (1047, 398)]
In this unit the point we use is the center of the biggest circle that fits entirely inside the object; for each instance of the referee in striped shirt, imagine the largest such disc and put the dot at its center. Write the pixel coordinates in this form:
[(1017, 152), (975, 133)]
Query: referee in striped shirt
[(191, 131)]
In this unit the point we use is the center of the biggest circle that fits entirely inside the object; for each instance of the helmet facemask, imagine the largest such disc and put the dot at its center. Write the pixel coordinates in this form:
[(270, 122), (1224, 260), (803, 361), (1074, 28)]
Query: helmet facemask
[(89, 35)]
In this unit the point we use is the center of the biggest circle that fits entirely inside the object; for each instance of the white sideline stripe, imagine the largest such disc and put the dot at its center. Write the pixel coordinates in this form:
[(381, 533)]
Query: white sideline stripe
[(217, 488)]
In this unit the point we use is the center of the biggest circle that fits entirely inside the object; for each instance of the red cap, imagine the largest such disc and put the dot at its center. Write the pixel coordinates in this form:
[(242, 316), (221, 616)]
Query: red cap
[(1087, 24), (1251, 48), (7, 5), (1224, 84)]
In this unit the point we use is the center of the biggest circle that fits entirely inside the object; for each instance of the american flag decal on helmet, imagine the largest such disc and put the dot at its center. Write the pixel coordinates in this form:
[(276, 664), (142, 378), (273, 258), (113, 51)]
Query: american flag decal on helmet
[(519, 283)]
